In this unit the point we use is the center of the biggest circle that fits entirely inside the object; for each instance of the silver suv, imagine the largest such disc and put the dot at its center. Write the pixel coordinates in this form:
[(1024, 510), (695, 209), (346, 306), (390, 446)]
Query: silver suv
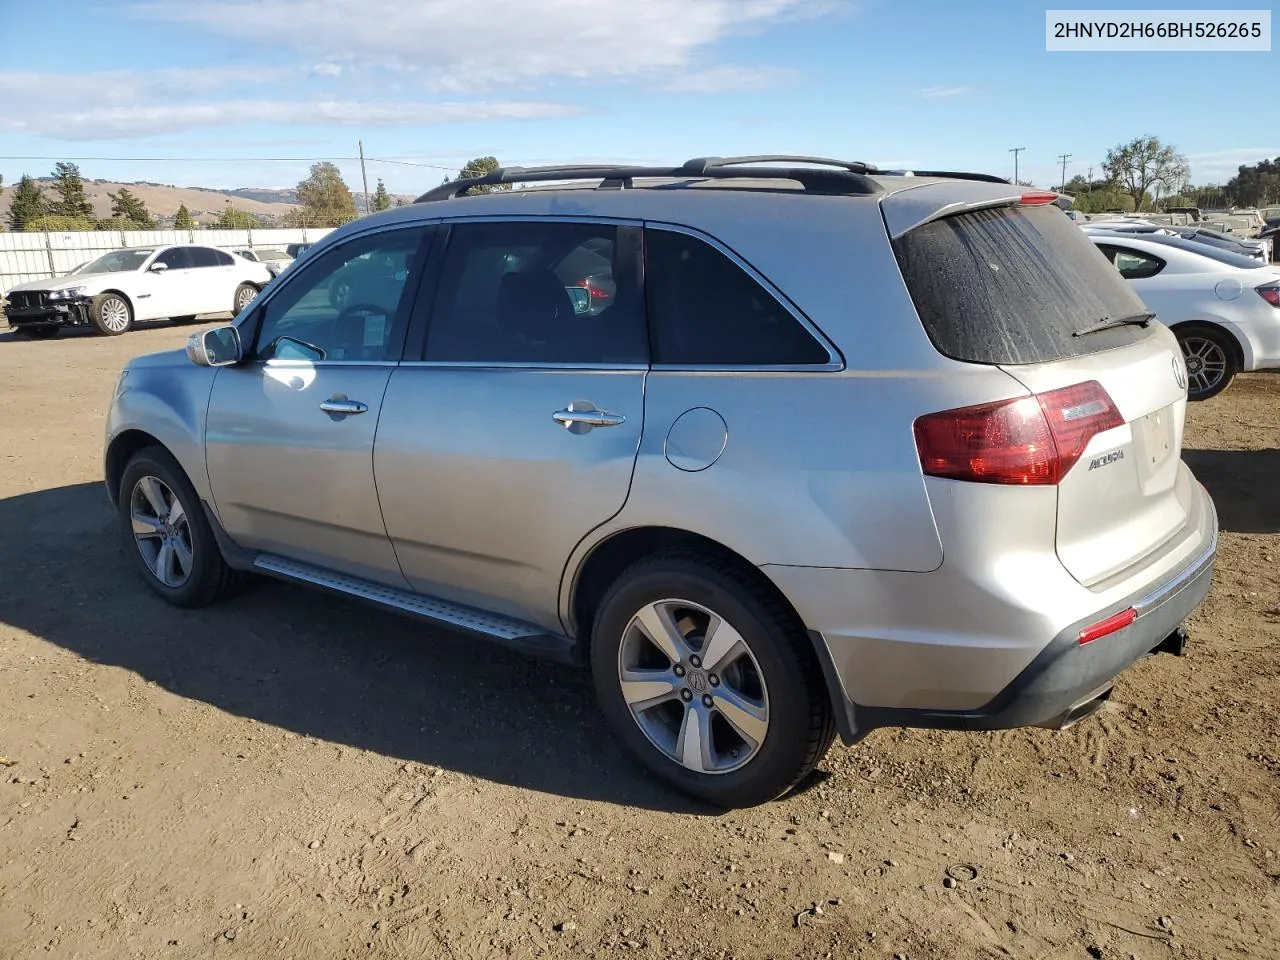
[(777, 449)]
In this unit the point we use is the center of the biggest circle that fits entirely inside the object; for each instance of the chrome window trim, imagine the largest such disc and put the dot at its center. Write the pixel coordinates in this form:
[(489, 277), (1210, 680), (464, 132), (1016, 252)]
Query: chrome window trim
[(835, 361), (518, 365)]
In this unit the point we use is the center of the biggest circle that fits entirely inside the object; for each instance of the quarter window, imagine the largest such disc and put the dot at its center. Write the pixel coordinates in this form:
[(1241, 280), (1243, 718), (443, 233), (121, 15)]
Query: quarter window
[(1133, 264), (539, 293), (351, 303), (704, 309)]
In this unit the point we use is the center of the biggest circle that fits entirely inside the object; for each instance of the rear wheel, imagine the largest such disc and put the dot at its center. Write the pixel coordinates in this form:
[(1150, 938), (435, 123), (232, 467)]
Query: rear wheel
[(111, 314), (244, 296), (1210, 355), (709, 681)]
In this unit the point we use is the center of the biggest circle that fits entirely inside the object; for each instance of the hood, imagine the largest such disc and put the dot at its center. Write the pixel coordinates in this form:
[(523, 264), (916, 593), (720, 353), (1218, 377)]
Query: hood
[(92, 280)]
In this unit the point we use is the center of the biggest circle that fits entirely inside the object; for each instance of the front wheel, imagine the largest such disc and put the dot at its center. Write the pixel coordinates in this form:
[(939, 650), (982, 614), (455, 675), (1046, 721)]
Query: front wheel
[(167, 534), (708, 680), (111, 314), (1211, 361)]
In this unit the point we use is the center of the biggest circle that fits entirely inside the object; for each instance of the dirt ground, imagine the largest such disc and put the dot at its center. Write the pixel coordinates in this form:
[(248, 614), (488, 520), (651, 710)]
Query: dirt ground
[(292, 776)]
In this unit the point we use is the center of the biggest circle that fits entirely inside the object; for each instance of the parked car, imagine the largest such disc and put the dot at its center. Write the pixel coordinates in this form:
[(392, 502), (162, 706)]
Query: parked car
[(1255, 249), (274, 260), (1224, 308), (119, 288), (296, 250), (851, 451)]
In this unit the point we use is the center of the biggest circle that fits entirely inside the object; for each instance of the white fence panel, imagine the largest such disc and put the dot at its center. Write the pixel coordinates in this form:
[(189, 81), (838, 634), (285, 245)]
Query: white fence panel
[(38, 256)]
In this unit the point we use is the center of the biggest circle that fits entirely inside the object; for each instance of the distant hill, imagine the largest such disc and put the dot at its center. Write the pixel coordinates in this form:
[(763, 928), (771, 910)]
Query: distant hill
[(163, 200)]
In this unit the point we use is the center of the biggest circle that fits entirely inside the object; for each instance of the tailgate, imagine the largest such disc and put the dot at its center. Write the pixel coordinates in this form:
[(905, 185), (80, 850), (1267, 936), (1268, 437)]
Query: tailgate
[(1126, 497)]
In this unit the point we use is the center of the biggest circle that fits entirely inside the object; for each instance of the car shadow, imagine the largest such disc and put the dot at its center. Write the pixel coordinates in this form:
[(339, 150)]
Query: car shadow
[(1244, 484), (7, 334), (312, 663)]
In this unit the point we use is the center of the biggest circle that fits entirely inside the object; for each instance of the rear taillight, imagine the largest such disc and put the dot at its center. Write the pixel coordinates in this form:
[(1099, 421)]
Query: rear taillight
[(595, 291), (1030, 440), (1270, 293)]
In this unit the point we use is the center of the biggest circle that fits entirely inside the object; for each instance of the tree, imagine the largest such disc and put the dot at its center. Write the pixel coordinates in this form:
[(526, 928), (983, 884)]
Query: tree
[(184, 220), (1144, 163), (1257, 185), (69, 187), (325, 197), (233, 219), (56, 222), (28, 203), (127, 206), (381, 199), (478, 168)]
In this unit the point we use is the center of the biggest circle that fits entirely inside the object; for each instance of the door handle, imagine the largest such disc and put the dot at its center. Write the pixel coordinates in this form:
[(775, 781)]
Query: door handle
[(581, 416), (342, 406)]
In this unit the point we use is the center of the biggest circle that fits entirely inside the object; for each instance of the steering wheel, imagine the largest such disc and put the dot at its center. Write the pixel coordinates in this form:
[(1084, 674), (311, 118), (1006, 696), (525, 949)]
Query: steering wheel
[(370, 309)]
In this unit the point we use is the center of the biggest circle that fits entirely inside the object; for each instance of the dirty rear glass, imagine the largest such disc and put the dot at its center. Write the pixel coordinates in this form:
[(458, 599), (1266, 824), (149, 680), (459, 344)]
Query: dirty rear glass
[(1012, 285)]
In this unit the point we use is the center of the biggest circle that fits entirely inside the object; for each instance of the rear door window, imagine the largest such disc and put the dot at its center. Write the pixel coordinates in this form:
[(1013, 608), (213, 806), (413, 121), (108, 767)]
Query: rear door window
[(705, 310), (1133, 264), (1014, 285)]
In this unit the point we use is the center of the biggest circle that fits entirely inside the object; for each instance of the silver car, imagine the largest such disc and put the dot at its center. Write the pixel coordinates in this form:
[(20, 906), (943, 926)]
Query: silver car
[(829, 449)]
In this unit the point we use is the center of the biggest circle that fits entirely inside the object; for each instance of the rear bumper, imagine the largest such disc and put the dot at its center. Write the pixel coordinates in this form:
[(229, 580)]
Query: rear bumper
[(992, 650), (1067, 675)]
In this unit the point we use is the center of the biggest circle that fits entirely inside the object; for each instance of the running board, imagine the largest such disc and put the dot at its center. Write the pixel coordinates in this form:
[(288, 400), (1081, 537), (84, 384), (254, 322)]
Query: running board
[(505, 631)]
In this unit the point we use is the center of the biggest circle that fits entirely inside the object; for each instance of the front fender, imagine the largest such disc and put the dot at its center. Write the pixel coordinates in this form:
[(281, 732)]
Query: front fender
[(165, 397)]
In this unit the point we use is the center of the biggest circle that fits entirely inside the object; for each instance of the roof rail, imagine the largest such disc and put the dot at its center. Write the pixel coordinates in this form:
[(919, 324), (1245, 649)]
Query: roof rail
[(848, 178), (949, 174)]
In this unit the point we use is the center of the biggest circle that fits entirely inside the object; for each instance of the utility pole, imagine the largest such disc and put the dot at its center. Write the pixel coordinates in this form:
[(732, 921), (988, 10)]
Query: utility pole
[(1015, 151), (364, 177), (1064, 157)]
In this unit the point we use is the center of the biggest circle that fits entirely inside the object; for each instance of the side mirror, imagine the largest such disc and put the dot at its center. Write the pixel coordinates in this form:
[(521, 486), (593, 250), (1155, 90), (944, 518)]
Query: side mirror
[(580, 297), (219, 347), (158, 267)]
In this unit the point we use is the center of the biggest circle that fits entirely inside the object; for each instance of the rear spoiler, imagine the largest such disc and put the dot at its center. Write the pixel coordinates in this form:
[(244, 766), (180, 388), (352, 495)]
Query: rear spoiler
[(908, 209)]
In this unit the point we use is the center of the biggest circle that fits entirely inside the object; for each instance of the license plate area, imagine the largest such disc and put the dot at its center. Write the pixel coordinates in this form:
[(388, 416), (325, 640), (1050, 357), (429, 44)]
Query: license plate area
[(1153, 437)]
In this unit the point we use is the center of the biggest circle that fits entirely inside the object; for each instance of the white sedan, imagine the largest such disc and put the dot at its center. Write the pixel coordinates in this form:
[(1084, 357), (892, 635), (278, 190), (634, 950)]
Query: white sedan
[(143, 283), (1223, 307)]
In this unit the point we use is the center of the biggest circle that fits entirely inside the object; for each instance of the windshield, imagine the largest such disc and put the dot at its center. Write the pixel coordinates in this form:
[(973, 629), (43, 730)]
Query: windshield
[(117, 261)]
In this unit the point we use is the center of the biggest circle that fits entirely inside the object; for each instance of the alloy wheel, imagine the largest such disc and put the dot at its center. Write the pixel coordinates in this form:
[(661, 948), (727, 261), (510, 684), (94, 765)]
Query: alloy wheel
[(115, 314), (1206, 363), (244, 298), (162, 531), (693, 686)]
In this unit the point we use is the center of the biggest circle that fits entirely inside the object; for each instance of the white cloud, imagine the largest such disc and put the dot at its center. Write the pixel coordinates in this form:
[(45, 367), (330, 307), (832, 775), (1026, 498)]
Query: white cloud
[(116, 122), (467, 44), (327, 69), (19, 89), (934, 93), (729, 80)]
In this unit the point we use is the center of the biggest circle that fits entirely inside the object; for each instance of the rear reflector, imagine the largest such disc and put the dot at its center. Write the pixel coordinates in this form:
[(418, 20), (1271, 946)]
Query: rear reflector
[(1108, 626), (1028, 440)]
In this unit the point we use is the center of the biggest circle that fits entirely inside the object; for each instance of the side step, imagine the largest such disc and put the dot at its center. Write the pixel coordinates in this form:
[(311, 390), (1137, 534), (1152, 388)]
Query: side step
[(505, 631)]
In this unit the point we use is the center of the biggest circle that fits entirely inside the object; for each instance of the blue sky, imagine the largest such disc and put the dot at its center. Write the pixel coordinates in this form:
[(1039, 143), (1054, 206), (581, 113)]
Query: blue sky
[(434, 82)]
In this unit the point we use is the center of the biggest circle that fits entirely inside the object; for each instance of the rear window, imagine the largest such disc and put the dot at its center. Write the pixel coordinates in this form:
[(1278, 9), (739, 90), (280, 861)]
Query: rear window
[(1012, 285)]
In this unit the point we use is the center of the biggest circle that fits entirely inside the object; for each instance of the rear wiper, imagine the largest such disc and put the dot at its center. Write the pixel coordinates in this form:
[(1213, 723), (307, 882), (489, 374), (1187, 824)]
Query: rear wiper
[(1138, 319)]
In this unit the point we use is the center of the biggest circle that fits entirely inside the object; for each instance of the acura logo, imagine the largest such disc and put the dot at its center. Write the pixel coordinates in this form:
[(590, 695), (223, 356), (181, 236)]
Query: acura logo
[(1179, 373)]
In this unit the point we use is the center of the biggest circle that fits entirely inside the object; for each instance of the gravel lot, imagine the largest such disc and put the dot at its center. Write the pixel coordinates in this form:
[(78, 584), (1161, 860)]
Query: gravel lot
[(291, 775)]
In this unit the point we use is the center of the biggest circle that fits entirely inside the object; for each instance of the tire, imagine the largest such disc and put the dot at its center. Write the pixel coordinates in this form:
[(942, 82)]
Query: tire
[(194, 572), (244, 296), (111, 313), (38, 333), (1211, 358), (775, 676)]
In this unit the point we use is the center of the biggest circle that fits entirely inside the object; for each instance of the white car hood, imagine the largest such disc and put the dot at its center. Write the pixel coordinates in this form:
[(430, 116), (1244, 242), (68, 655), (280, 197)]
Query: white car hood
[(95, 282)]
